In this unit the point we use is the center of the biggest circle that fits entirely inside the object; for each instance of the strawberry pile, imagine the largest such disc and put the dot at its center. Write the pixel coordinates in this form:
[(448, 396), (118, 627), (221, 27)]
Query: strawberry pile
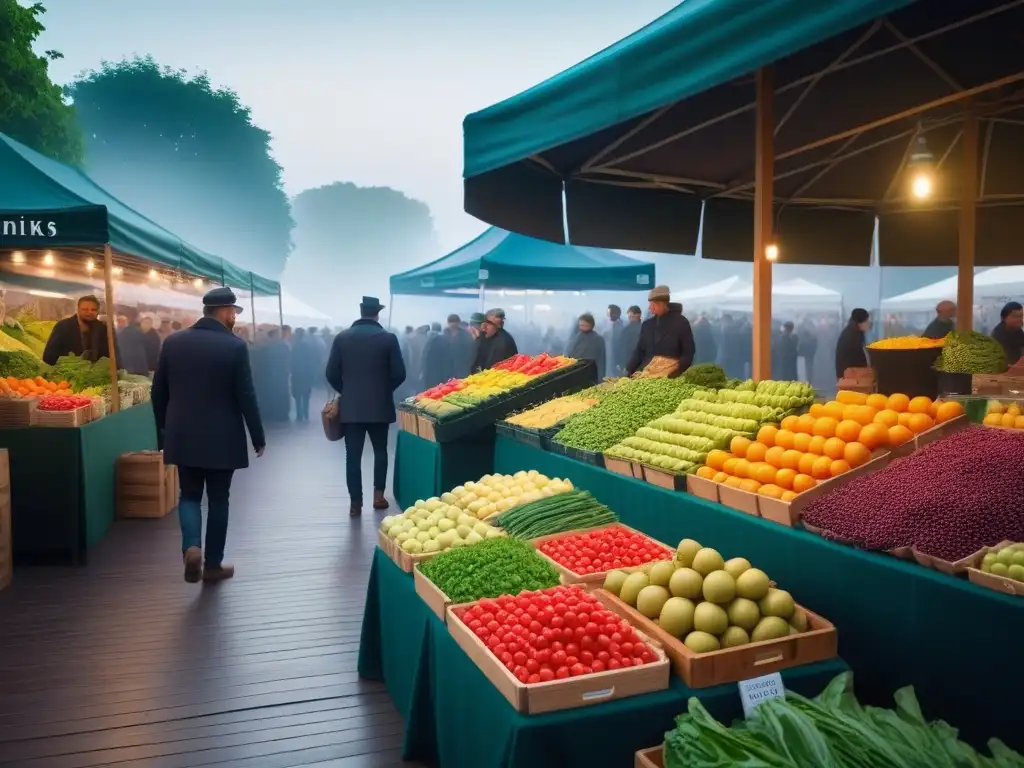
[(63, 402)]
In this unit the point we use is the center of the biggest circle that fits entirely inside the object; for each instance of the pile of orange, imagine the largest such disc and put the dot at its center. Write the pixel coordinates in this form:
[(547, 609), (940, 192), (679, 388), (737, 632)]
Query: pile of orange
[(12, 387), (832, 438)]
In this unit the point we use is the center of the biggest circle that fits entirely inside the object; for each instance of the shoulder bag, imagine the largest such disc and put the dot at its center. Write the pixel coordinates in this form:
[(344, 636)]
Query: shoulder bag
[(334, 430)]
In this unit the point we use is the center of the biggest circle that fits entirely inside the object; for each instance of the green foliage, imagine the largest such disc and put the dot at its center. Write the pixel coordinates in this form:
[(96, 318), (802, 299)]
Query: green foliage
[(32, 109), (490, 568), (187, 155), (21, 365)]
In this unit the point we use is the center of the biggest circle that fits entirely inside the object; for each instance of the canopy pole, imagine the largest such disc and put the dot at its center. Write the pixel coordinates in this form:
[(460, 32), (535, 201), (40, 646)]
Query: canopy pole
[(764, 161), (391, 304), (108, 286), (968, 225), (280, 309), (252, 307), (482, 300)]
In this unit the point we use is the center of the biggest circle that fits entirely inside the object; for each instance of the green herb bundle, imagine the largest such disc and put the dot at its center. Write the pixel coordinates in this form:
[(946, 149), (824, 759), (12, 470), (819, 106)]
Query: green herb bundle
[(80, 373), (490, 568), (21, 365), (562, 512), (971, 352), (706, 375)]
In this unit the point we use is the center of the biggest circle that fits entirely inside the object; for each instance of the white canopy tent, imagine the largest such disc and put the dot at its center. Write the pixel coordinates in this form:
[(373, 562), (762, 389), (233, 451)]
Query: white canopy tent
[(998, 284), (296, 313), (788, 295), (707, 296)]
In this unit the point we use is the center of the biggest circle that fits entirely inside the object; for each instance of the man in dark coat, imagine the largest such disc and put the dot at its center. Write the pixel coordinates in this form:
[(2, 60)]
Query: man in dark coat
[(203, 400), (666, 334), (131, 345), (495, 343), (788, 345), (305, 365), (807, 348), (706, 350), (628, 338), (82, 334), (588, 344), (365, 368), (437, 358), (613, 340), (944, 321), (850, 352), (461, 342), (1009, 331)]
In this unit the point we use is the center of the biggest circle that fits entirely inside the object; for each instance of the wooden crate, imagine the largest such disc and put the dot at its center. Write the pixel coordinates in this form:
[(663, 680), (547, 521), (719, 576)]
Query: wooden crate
[(654, 757), (702, 488), (619, 466), (930, 436), (142, 485), (16, 413), (740, 500), (662, 478), (78, 417), (436, 600), (99, 409), (730, 665), (996, 385), (425, 428), (399, 556), (1002, 584), (171, 485), (589, 580), (408, 422), (556, 695)]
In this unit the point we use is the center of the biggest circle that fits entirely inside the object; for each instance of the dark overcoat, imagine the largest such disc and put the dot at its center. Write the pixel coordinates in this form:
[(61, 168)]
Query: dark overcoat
[(66, 339), (365, 367), (204, 398)]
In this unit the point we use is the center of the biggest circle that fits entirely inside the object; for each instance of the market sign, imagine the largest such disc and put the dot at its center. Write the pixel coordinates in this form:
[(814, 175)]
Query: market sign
[(85, 225)]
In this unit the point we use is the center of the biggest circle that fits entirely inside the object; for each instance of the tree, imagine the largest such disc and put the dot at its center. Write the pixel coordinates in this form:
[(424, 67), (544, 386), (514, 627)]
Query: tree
[(189, 157), (32, 108), (350, 239)]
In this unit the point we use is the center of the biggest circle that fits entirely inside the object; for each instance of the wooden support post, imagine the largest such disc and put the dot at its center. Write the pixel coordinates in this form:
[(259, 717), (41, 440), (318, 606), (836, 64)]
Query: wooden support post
[(108, 287), (968, 225), (764, 162)]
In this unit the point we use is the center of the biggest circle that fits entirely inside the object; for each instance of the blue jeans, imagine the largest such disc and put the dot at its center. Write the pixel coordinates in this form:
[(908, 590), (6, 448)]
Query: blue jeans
[(217, 483), (355, 439)]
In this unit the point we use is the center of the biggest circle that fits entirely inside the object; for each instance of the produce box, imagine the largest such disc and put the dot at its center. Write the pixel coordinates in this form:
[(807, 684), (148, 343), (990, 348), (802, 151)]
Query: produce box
[(531, 437), (141, 480), (950, 568), (592, 580), (407, 420), (702, 488), (977, 576), (730, 665), (623, 467), (560, 694), (399, 556), (930, 436), (997, 385), (78, 417), (436, 600), (425, 428), (654, 757), (662, 478), (16, 413), (586, 457), (740, 500)]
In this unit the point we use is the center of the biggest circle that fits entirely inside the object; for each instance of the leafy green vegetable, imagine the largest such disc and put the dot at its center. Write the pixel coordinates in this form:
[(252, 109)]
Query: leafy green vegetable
[(490, 568), (18, 334), (971, 352), (705, 375), (21, 365), (562, 512), (80, 373)]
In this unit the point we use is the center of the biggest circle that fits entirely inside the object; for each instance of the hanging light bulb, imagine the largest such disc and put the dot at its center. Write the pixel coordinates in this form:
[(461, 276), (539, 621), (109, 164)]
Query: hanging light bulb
[(153, 274), (921, 167), (198, 283), (48, 259), (118, 271), (18, 257), (90, 265), (922, 186), (771, 252)]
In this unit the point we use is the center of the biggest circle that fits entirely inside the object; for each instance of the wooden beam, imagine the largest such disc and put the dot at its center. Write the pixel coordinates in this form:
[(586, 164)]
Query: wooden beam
[(764, 162), (108, 285), (968, 225)]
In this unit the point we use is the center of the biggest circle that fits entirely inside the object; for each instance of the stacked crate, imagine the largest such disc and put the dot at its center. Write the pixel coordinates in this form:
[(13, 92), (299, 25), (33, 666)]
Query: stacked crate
[(146, 487)]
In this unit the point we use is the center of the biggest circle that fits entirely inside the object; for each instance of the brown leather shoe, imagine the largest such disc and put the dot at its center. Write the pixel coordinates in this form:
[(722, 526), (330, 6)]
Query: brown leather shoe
[(193, 559), (355, 511), (379, 502), (220, 573)]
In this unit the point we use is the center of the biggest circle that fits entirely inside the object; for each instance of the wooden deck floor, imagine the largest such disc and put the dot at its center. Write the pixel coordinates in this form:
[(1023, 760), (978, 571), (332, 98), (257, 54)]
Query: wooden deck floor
[(123, 663)]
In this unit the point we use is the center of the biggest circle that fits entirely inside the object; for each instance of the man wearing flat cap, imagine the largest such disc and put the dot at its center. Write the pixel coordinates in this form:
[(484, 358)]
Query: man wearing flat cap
[(365, 368), (203, 400), (666, 334), (495, 343)]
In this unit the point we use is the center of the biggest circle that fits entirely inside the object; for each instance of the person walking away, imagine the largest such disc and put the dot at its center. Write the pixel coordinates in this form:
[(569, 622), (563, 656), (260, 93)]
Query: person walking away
[(807, 348), (613, 340), (944, 322), (82, 334), (151, 341), (850, 352), (131, 344), (417, 344), (203, 400), (588, 345), (437, 358), (276, 363), (1009, 332), (705, 348), (666, 334), (305, 363), (365, 368), (460, 343), (789, 344)]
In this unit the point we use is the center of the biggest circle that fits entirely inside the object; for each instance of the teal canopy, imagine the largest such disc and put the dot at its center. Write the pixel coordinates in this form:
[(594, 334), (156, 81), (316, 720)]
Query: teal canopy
[(648, 136), (500, 260), (45, 204)]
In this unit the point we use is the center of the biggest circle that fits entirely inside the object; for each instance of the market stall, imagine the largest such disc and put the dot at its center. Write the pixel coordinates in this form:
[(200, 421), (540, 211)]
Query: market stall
[(65, 424)]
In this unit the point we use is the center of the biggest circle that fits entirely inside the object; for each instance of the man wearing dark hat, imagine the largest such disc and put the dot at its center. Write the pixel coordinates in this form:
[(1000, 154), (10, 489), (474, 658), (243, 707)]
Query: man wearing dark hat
[(365, 368), (495, 344), (203, 400), (461, 343), (666, 334)]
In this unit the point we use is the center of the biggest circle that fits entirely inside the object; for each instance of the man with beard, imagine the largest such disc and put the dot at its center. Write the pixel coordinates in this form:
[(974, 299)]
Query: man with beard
[(82, 334), (495, 343), (203, 401)]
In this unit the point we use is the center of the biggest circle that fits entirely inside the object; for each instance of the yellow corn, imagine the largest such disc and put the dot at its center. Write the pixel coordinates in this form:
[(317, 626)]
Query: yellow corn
[(907, 342)]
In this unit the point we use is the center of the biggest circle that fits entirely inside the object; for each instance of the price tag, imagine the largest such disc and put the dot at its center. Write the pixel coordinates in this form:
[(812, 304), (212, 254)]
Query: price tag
[(758, 689)]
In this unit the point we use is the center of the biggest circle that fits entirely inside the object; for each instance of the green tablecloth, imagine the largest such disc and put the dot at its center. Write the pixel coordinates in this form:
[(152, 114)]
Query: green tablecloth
[(424, 469), (62, 482), (899, 623), (454, 717)]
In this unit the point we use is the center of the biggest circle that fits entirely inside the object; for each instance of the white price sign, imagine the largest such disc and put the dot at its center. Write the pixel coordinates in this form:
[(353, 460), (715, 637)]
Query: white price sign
[(758, 689)]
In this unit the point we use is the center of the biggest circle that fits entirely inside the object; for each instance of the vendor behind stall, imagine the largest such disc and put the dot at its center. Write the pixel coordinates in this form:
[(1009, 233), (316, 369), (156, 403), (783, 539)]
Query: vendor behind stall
[(665, 334), (82, 334), (1010, 333)]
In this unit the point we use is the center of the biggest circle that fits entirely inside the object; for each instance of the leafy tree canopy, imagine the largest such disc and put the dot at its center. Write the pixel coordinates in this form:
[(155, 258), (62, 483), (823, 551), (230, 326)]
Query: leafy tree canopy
[(187, 155), (32, 108), (349, 240)]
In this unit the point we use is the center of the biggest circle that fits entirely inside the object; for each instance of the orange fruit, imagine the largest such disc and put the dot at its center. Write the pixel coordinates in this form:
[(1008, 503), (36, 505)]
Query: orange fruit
[(784, 477), (817, 445), (720, 477), (920, 404), (739, 446), (767, 434), (839, 466), (1007, 420), (822, 469), (863, 414), (874, 436), (934, 410), (734, 482), (801, 442), (856, 454), (904, 419), (1018, 422), (948, 410), (848, 430), (756, 452), (805, 424), (834, 409), (730, 465), (787, 496), (771, 490), (898, 403), (846, 397), (789, 423), (706, 472), (716, 459), (774, 456), (750, 486), (764, 473), (741, 468), (791, 459), (817, 410), (919, 422), (834, 448), (887, 418), (825, 426), (899, 434), (877, 401), (784, 439), (804, 482), (806, 465)]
